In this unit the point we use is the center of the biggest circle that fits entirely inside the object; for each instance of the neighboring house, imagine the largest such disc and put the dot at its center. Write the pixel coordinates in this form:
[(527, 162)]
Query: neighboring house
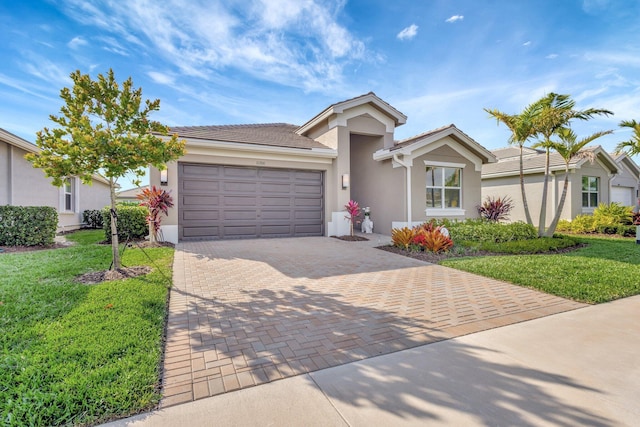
[(625, 185), (130, 195), (23, 185), (274, 180), (589, 183)]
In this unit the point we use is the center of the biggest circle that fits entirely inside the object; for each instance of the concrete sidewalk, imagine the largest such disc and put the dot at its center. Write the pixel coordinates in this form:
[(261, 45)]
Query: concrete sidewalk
[(576, 368)]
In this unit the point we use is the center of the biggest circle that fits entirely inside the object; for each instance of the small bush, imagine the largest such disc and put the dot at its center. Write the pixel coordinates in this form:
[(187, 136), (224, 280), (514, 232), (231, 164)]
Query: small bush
[(613, 214), (495, 209), (531, 246), (402, 237), (92, 218), (132, 222), (485, 231), (27, 225), (435, 241)]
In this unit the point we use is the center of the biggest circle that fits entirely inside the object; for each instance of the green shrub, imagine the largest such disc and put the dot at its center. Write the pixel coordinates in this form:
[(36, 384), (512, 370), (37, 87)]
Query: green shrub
[(613, 214), (564, 225), (132, 222), (484, 231), (93, 218), (27, 225), (530, 246)]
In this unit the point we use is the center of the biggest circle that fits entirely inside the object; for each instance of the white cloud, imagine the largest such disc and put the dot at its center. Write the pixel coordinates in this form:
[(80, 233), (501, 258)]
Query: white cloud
[(552, 56), (527, 43), (77, 42), (161, 78), (408, 33), (454, 18), (290, 42)]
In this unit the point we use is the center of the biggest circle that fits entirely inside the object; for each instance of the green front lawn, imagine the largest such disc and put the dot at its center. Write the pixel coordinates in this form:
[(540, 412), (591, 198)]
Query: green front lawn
[(72, 353), (604, 270)]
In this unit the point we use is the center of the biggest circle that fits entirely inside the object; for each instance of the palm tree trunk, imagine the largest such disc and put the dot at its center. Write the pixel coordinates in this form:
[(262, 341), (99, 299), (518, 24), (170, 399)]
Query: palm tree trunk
[(114, 227), (522, 189), (556, 217), (543, 203)]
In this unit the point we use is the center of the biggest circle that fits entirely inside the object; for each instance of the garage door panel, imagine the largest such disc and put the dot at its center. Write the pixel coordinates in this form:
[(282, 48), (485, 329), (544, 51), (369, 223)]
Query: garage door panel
[(200, 200), (201, 232), (239, 215), (239, 172), (235, 231), (222, 202), (193, 215), (307, 202), (199, 170), (270, 187), (200, 186), (235, 201), (277, 214)]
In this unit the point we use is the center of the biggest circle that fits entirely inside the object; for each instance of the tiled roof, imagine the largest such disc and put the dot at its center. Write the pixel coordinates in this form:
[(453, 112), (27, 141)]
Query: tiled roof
[(536, 161), (408, 141), (505, 153), (270, 134)]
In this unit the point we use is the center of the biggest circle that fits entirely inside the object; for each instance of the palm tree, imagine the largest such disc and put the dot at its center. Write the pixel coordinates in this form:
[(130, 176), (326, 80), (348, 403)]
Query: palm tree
[(553, 113), (520, 126), (570, 148), (632, 146)]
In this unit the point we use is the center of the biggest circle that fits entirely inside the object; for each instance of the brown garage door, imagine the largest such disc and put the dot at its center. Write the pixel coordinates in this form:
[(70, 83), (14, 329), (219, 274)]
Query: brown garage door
[(230, 202)]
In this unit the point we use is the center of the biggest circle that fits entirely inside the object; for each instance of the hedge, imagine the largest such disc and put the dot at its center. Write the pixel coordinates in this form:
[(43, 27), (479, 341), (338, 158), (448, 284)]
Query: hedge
[(92, 218), (484, 231), (132, 222), (27, 225)]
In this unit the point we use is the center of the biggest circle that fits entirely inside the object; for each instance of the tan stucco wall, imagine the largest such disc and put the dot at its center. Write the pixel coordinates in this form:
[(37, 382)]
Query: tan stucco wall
[(377, 184), (510, 186), (470, 182), (24, 185)]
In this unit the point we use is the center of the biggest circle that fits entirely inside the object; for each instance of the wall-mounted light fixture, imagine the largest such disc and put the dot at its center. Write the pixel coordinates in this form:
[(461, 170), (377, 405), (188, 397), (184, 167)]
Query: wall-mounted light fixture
[(345, 181), (164, 177)]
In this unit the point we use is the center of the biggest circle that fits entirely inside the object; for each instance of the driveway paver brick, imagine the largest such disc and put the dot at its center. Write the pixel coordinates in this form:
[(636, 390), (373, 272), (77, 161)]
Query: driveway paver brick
[(247, 312)]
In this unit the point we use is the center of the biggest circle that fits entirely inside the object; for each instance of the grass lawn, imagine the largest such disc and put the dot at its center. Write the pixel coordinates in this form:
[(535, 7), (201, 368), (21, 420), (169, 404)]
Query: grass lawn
[(604, 270), (75, 354)]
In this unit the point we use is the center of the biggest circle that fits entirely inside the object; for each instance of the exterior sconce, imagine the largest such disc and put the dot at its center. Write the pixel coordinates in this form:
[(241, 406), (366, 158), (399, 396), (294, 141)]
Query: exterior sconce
[(345, 181), (164, 177)]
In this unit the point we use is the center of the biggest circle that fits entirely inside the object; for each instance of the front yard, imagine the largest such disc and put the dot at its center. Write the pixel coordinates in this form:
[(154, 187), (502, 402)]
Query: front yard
[(74, 354), (603, 270)]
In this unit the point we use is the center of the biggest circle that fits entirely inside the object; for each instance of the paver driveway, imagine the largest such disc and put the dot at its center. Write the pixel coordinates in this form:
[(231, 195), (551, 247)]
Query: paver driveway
[(247, 312)]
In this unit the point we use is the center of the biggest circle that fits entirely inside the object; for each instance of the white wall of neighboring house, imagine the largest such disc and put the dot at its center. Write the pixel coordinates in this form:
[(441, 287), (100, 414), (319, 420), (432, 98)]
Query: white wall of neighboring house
[(23, 185)]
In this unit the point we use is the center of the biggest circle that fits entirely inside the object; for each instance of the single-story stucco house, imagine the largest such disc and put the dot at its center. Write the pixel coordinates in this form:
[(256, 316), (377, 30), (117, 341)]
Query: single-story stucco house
[(23, 185), (276, 180), (590, 183), (130, 195), (626, 183)]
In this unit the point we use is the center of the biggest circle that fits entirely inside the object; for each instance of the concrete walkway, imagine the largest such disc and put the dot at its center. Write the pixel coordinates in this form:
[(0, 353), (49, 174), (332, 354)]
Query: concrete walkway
[(245, 313), (575, 368)]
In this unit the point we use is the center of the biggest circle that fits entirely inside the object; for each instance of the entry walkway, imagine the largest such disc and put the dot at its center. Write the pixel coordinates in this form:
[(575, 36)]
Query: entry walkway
[(244, 313)]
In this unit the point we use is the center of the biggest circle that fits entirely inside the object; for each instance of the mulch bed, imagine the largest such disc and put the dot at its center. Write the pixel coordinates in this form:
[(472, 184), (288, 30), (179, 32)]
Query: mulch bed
[(351, 238), (108, 275), (13, 249)]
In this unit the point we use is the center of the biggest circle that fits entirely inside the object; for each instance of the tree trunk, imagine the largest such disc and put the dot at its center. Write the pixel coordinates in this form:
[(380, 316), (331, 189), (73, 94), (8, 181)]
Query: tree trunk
[(543, 203), (115, 253), (556, 217), (152, 232), (525, 205)]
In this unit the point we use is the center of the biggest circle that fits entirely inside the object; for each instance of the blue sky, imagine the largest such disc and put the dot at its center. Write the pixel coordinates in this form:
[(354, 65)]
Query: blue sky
[(262, 61)]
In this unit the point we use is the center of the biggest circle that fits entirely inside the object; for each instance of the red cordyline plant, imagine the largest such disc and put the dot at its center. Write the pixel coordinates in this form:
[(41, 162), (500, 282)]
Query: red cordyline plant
[(495, 209), (353, 209), (158, 202)]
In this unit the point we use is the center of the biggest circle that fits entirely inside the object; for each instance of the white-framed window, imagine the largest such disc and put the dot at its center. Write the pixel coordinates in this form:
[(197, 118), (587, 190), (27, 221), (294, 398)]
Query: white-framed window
[(444, 187), (590, 191), (69, 195)]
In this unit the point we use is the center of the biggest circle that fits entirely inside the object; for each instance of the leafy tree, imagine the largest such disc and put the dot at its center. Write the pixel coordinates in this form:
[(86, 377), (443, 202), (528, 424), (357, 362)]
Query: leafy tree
[(521, 127), (554, 112), (570, 148), (104, 129), (632, 146)]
